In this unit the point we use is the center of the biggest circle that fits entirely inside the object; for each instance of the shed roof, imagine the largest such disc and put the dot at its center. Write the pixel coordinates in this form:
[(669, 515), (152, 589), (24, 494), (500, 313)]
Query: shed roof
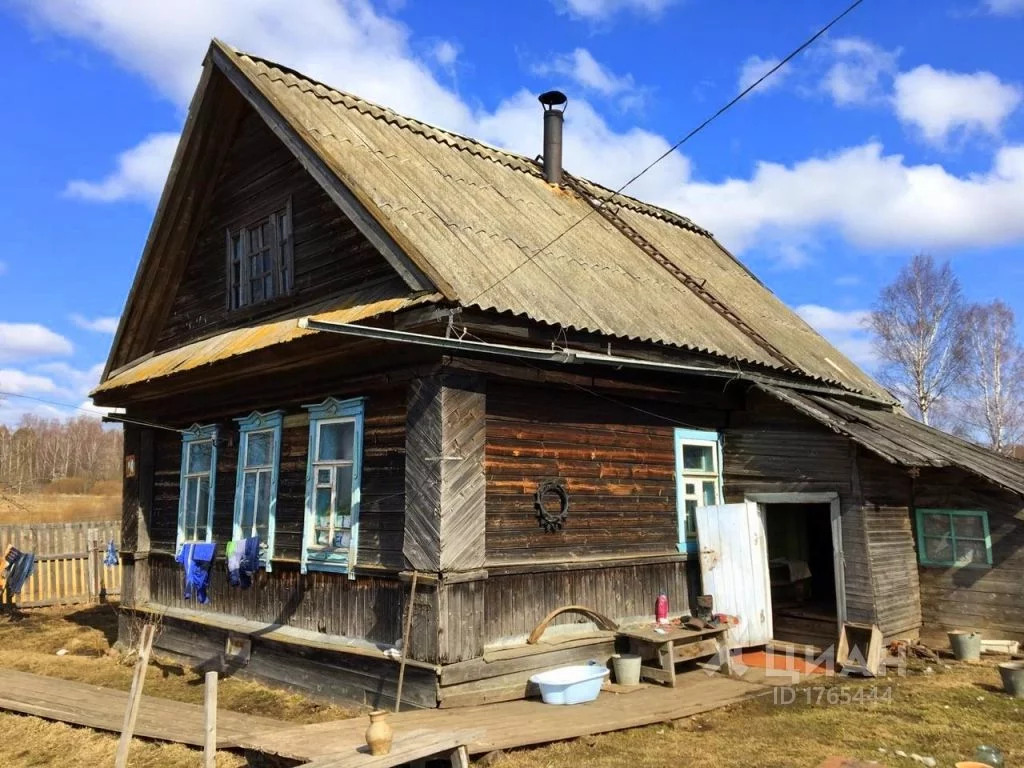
[(471, 216), (361, 305), (899, 439)]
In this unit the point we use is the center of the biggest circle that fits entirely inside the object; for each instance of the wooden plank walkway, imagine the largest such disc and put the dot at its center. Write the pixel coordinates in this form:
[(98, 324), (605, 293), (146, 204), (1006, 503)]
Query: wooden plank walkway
[(518, 723), (103, 708)]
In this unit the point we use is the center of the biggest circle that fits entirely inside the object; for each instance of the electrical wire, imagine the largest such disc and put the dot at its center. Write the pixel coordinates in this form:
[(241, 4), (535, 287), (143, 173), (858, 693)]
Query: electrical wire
[(722, 110), (112, 416)]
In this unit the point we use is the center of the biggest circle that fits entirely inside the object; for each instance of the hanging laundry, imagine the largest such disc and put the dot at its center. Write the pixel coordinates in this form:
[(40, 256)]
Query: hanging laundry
[(111, 557), (19, 568), (243, 561), (197, 559)]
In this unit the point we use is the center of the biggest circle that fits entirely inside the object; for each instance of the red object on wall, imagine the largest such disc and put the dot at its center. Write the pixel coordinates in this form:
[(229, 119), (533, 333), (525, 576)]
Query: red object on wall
[(661, 609)]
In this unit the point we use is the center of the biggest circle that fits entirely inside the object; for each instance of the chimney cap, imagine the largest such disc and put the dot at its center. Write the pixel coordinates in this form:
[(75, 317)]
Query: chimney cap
[(552, 99)]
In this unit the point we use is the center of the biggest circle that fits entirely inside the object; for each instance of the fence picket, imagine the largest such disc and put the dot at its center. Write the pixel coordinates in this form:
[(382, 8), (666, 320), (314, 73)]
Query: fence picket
[(65, 580)]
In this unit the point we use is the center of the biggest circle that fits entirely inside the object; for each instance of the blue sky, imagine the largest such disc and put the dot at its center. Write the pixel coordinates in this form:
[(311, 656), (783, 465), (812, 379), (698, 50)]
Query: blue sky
[(902, 131)]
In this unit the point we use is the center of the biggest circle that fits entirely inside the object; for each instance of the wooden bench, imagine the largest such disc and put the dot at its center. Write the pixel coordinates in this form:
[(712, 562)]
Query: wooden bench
[(667, 646)]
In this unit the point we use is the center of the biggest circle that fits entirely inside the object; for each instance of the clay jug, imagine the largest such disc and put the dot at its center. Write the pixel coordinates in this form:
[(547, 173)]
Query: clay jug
[(379, 734)]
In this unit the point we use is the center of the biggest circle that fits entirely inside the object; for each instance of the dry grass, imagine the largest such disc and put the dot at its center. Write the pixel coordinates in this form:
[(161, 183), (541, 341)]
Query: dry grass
[(58, 508), (30, 641), (944, 716)]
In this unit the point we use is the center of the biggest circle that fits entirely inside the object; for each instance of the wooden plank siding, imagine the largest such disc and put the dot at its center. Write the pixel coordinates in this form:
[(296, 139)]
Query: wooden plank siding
[(771, 447), (331, 256), (987, 599), (617, 462)]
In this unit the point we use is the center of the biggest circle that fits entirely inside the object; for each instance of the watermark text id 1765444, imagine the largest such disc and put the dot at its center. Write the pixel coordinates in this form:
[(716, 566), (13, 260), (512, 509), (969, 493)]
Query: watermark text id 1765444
[(831, 695)]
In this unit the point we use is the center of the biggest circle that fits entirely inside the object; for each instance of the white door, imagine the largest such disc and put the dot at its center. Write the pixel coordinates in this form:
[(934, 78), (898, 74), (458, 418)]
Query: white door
[(734, 568)]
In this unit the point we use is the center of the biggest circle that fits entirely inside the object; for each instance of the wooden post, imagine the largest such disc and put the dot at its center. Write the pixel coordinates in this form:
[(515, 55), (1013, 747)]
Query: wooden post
[(210, 718), (134, 696), (90, 566), (405, 639)]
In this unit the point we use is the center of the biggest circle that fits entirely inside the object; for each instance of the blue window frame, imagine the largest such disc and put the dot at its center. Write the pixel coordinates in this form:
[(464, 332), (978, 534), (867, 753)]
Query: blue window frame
[(259, 460), (197, 484), (698, 480), (333, 478), (954, 538)]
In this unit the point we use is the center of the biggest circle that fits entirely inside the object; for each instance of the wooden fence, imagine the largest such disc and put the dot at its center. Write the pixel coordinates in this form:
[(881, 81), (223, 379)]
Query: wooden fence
[(69, 562)]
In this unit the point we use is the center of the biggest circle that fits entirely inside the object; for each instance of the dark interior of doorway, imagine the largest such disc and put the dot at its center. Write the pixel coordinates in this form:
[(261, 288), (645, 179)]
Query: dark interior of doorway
[(801, 567)]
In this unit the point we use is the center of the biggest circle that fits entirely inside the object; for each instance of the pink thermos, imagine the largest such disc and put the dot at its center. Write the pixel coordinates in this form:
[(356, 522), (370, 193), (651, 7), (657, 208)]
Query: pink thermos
[(661, 609)]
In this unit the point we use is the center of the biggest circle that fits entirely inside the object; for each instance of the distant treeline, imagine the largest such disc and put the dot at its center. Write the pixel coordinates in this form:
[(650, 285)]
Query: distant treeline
[(70, 456)]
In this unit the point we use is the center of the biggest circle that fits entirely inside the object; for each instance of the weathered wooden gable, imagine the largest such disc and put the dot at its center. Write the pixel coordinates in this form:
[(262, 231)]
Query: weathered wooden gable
[(330, 255)]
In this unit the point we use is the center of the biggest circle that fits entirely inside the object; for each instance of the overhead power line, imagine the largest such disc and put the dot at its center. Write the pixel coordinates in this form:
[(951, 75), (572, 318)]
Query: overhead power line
[(722, 110), (91, 412)]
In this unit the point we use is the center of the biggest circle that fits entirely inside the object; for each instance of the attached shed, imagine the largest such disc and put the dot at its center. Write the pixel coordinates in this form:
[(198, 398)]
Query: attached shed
[(359, 338)]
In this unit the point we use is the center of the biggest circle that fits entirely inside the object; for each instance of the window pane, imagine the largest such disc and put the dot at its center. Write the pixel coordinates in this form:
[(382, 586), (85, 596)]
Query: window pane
[(970, 551), (343, 492), (254, 239), (322, 510), (268, 286), (200, 455), (263, 505), (336, 441), (938, 549), (248, 503), (936, 524), (202, 503), (691, 518), (690, 489), (191, 493), (968, 527), (710, 496), (323, 477), (259, 449), (699, 457)]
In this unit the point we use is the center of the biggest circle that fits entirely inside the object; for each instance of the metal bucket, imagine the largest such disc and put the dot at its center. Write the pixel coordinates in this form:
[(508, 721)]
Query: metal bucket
[(1012, 673), (966, 645), (627, 668)]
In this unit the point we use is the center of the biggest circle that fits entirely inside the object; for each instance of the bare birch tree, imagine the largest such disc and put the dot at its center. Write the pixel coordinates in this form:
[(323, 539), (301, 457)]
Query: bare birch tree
[(920, 335), (995, 386)]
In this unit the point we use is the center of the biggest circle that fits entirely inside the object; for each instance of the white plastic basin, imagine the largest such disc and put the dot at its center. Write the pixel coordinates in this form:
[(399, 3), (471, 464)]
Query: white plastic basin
[(570, 685)]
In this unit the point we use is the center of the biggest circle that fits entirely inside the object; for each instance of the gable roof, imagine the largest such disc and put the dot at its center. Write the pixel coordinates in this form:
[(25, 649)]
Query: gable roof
[(463, 218)]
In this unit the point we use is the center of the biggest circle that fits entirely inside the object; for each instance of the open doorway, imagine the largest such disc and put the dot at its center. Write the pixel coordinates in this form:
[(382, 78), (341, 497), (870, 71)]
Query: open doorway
[(802, 573)]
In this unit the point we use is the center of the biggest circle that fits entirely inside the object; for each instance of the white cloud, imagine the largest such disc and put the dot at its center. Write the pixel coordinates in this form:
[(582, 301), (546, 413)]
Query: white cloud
[(140, 173), (25, 341), (445, 53), (584, 69), (97, 324), (1004, 7), (938, 102), (846, 329), (858, 71), (873, 199), (756, 67), (602, 9), (17, 382)]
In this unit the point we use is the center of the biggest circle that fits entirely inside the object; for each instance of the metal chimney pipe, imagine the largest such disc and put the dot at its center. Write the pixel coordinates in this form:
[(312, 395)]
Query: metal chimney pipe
[(553, 120)]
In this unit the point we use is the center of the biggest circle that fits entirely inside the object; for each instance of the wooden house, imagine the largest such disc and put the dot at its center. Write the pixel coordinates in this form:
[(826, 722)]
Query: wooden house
[(391, 350)]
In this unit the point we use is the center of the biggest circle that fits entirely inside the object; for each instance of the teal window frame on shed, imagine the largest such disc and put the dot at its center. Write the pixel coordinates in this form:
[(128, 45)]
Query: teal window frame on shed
[(952, 516), (687, 533), (256, 424), (191, 440), (323, 474)]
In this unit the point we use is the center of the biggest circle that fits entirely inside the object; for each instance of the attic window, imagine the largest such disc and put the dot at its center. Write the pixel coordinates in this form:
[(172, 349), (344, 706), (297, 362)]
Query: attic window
[(260, 259)]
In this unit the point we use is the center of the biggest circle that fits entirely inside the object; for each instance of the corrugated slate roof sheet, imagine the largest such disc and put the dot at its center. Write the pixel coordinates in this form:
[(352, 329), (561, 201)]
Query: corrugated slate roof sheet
[(902, 440), (475, 213), (348, 309)]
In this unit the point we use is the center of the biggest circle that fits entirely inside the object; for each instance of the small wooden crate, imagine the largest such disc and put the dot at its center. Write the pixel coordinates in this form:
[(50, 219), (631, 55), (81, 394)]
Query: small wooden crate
[(860, 649)]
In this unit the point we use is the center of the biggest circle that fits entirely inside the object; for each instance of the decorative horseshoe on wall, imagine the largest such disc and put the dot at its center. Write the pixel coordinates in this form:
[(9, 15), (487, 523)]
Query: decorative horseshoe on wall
[(551, 520)]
